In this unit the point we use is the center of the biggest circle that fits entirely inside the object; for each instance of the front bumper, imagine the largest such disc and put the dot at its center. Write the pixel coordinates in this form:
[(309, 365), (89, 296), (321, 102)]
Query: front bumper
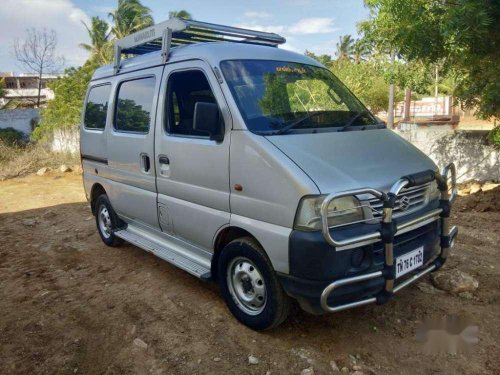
[(342, 279)]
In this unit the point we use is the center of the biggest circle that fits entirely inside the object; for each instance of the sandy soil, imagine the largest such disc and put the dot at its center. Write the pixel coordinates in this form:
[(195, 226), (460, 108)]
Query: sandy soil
[(69, 304)]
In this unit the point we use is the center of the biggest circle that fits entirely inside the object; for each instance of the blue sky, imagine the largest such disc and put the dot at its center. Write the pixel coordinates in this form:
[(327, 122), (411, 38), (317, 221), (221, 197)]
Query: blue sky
[(307, 24)]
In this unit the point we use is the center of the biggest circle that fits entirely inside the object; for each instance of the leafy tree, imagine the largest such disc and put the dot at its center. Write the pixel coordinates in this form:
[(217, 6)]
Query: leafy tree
[(495, 135), (360, 50), (325, 59), (100, 47), (448, 84), (345, 47), (413, 75), (180, 14), (461, 34), (65, 109), (366, 80), (130, 16)]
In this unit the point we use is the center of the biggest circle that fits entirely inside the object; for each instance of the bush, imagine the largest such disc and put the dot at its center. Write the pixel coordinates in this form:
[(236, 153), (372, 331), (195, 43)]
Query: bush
[(66, 108), (11, 136), (17, 160), (495, 136)]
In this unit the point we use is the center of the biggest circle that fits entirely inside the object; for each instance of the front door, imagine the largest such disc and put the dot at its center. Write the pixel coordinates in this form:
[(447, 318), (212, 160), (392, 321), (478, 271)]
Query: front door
[(192, 170)]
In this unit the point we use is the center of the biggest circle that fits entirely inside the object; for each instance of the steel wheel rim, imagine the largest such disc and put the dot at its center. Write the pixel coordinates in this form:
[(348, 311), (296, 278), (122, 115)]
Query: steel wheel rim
[(104, 219), (246, 286)]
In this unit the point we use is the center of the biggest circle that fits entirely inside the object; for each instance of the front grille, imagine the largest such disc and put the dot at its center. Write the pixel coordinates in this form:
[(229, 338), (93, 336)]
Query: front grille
[(417, 198)]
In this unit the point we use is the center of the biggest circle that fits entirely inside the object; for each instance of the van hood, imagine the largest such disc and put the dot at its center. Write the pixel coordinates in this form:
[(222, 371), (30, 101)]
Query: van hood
[(338, 161)]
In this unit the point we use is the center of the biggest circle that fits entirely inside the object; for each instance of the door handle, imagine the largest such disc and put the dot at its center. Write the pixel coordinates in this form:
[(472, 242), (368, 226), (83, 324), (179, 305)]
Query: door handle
[(164, 160), (146, 163)]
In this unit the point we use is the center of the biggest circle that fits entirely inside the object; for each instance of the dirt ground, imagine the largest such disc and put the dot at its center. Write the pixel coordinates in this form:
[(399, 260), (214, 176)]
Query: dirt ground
[(71, 305)]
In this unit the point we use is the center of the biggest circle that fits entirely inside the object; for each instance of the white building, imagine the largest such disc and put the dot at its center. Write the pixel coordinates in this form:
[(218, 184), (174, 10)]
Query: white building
[(24, 88)]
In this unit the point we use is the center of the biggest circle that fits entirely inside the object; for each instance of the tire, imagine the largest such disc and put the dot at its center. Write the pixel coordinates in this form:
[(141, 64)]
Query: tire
[(250, 287), (106, 221)]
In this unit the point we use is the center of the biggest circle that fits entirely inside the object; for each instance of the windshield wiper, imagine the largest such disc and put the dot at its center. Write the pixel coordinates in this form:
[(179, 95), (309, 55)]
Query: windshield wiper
[(353, 120), (297, 122)]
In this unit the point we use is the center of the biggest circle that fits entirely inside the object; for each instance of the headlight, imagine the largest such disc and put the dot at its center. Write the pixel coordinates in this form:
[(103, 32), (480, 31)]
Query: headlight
[(343, 210)]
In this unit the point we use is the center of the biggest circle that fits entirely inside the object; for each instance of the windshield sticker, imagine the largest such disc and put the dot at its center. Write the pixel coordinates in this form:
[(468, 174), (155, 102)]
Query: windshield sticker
[(288, 69)]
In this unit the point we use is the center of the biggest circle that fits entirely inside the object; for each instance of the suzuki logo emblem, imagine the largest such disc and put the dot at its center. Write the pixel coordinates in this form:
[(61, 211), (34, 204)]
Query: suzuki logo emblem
[(404, 203)]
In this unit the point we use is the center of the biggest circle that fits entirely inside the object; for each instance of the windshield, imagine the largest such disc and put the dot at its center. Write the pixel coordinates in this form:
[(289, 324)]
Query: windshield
[(276, 97)]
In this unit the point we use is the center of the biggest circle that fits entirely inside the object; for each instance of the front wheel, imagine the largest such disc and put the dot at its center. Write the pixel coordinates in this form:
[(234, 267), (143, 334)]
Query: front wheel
[(250, 286)]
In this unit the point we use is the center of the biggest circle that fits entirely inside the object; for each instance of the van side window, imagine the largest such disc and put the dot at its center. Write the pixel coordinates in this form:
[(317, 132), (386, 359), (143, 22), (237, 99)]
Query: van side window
[(97, 107), (185, 89), (134, 105)]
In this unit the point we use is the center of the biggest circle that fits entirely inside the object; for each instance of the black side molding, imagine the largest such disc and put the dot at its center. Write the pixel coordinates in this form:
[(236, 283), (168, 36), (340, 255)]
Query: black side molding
[(94, 159), (420, 178)]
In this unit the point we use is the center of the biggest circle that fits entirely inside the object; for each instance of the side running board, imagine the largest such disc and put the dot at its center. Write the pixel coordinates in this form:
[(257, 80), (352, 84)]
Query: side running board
[(197, 269)]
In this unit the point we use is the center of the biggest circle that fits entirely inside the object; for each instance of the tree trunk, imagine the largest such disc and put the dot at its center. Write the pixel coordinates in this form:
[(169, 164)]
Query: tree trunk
[(390, 110), (436, 91), (39, 89), (406, 115)]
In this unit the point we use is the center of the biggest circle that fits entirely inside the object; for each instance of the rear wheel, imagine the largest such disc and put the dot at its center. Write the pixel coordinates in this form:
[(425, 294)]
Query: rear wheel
[(107, 221), (250, 286)]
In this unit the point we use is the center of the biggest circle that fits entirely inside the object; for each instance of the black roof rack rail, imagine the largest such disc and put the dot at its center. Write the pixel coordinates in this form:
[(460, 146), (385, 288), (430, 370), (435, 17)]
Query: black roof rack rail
[(176, 31)]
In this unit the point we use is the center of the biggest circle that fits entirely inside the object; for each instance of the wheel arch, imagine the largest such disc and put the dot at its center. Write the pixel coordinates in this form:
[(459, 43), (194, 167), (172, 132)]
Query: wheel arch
[(224, 237), (96, 191)]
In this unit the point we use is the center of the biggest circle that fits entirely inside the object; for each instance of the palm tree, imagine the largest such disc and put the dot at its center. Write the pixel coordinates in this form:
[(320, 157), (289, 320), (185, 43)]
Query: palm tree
[(345, 47), (100, 47), (130, 16), (180, 14), (360, 50)]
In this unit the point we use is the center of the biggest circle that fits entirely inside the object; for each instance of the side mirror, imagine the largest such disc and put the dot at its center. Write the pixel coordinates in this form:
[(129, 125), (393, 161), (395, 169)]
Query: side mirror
[(206, 119)]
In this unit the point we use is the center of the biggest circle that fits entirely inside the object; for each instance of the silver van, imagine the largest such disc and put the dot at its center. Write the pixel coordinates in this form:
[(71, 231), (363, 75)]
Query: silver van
[(256, 168)]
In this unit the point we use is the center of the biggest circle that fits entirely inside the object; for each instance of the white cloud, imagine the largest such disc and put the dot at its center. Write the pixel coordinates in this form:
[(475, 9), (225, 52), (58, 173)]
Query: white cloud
[(253, 14), (315, 25), (268, 29), (318, 25), (292, 33), (60, 15)]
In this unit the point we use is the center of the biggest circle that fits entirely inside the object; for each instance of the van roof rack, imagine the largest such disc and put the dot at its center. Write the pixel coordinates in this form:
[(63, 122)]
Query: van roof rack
[(176, 32)]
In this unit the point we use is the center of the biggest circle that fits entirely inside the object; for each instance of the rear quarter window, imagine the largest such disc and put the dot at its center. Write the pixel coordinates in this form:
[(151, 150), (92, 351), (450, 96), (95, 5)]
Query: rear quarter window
[(134, 105), (97, 107)]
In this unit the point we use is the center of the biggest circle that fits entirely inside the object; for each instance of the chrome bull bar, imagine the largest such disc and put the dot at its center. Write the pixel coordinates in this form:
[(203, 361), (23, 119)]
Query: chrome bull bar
[(388, 229)]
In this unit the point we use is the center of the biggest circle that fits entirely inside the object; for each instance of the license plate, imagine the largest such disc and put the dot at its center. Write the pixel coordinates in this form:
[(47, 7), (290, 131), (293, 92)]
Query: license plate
[(409, 262)]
